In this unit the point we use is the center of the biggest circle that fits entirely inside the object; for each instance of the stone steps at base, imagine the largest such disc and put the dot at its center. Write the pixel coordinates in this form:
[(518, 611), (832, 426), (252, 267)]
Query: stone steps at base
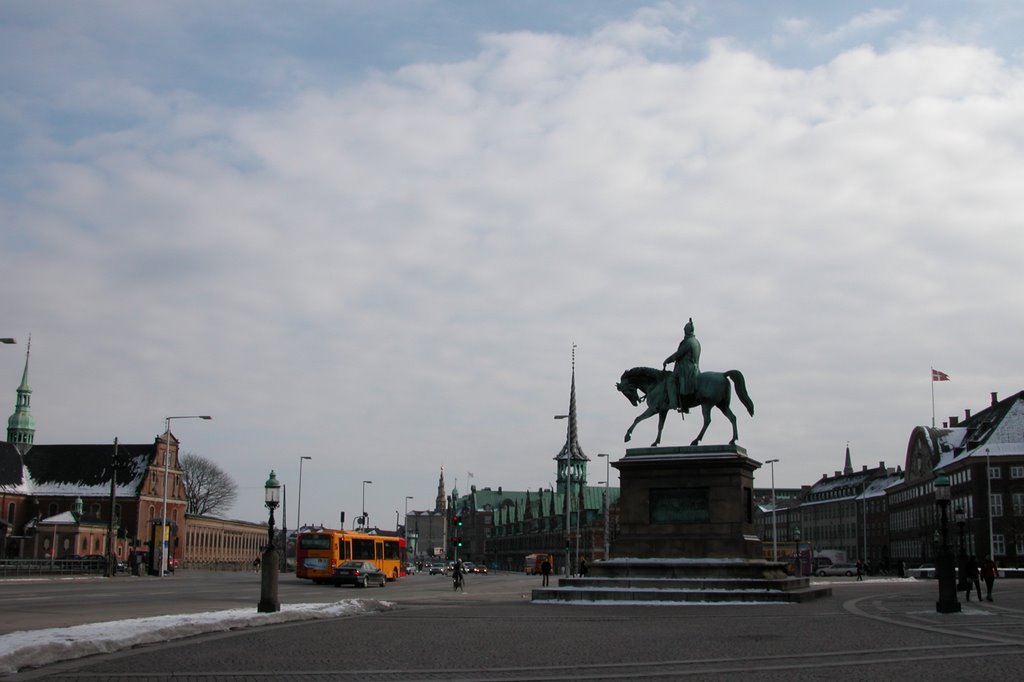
[(708, 583), (670, 595)]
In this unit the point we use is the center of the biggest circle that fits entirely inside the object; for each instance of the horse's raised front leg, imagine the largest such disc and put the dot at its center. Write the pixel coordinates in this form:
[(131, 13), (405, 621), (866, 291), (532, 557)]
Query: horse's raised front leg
[(661, 425), (649, 412), (706, 411)]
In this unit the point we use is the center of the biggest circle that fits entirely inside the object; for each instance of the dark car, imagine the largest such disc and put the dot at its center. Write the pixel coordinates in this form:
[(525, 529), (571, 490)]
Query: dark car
[(360, 574)]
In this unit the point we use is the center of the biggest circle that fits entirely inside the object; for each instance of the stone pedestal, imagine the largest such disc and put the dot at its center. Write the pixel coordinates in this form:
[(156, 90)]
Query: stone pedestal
[(687, 502), (686, 520)]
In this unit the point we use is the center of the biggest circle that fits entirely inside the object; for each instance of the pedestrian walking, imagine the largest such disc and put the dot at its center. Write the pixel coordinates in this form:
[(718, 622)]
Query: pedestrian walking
[(860, 570), (988, 573), (971, 579), (583, 568), (901, 568), (545, 572)]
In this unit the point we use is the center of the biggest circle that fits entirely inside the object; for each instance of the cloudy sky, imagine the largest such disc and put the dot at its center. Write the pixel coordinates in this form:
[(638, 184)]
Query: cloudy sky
[(371, 232)]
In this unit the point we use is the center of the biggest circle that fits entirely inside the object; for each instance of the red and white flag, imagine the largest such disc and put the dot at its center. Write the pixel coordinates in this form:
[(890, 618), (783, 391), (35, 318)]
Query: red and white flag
[(939, 376)]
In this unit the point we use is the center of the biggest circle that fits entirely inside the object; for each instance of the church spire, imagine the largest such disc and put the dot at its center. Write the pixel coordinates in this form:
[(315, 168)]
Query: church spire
[(571, 454), (441, 502), (21, 426), (848, 469)]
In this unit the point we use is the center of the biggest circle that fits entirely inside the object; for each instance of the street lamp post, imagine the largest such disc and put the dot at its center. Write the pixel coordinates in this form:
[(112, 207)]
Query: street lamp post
[(269, 603), (961, 556), (164, 531), (988, 479), (799, 559), (775, 528), (366, 525), (568, 502), (298, 511), (945, 567), (405, 521), (607, 478)]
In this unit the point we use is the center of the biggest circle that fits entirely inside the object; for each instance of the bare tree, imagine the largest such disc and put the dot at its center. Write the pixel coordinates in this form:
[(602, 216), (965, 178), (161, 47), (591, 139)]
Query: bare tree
[(208, 489)]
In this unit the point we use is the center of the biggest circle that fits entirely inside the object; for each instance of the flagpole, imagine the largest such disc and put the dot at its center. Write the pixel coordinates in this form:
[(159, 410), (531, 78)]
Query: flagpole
[(933, 396)]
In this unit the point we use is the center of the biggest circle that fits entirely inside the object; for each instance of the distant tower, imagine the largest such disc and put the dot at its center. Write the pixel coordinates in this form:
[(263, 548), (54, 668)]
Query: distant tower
[(441, 502), (571, 454), (21, 426), (848, 469)]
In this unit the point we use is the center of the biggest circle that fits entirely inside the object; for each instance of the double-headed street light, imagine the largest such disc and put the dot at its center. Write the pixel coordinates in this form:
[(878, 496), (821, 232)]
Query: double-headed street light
[(298, 511), (775, 528), (363, 517), (269, 603), (164, 531)]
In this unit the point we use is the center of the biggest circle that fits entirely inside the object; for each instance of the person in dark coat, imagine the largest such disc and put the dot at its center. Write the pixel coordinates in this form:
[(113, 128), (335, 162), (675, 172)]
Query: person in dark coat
[(988, 574), (971, 579), (545, 572), (583, 568)]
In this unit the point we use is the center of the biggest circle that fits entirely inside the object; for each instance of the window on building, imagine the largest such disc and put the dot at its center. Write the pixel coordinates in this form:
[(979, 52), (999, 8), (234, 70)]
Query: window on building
[(53, 509), (10, 513), (995, 503), (1017, 472), (1018, 504), (995, 472), (999, 544), (1020, 545)]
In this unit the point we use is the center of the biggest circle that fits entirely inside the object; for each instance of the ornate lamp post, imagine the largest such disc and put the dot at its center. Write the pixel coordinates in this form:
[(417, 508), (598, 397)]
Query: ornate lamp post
[(945, 566), (269, 602)]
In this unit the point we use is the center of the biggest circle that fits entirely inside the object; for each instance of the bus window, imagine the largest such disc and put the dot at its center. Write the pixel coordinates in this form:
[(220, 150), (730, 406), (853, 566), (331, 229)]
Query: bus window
[(317, 541), (363, 549)]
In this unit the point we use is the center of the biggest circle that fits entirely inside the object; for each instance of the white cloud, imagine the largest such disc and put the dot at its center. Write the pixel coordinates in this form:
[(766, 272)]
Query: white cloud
[(388, 273)]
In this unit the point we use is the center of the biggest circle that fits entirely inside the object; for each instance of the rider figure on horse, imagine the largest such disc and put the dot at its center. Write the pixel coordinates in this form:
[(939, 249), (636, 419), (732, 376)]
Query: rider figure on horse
[(682, 383)]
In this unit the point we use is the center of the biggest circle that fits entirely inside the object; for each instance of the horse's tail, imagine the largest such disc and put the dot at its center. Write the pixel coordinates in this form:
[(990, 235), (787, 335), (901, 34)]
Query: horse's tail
[(741, 389)]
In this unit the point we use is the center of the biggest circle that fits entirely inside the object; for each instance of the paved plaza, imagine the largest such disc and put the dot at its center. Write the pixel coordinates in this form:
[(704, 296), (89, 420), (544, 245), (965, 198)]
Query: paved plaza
[(872, 630)]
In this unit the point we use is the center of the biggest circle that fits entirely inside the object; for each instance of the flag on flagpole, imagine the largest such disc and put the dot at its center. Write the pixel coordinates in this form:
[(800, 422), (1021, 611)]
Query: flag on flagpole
[(939, 376)]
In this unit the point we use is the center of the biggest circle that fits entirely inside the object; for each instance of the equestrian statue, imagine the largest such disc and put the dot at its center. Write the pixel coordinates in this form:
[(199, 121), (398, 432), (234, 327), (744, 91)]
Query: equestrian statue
[(682, 388)]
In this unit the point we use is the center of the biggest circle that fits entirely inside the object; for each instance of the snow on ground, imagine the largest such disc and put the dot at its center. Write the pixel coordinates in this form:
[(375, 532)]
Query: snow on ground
[(41, 647)]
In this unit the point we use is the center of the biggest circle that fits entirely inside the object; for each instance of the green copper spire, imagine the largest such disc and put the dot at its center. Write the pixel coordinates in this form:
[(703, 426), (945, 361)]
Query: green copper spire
[(21, 426)]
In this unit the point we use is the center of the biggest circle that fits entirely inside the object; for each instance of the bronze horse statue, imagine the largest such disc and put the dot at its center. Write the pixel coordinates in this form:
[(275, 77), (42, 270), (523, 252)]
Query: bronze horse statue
[(713, 390)]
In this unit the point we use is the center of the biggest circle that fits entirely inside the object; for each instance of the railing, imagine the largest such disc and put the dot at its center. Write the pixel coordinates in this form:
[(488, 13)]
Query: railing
[(14, 568)]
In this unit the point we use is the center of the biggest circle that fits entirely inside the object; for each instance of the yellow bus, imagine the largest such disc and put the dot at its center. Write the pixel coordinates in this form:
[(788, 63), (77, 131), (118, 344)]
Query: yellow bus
[(318, 553)]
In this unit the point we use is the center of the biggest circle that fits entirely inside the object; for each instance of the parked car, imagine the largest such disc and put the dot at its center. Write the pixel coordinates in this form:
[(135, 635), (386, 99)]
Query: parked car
[(359, 574), (470, 567), (838, 569), (436, 569)]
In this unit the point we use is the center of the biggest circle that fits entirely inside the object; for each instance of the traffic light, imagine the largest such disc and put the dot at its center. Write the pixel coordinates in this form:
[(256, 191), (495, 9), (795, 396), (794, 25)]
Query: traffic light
[(457, 542), (457, 520)]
